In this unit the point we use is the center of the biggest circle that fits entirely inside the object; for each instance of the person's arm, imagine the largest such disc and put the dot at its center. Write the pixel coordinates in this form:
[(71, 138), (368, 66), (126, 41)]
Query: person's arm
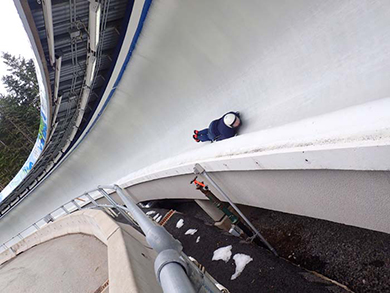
[(219, 137)]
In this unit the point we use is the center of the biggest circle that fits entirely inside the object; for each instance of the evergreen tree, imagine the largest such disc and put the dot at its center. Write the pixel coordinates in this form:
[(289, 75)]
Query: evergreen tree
[(19, 116)]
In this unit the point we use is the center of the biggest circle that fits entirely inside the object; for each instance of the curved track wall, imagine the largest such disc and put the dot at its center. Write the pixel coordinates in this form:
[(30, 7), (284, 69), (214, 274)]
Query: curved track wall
[(289, 67)]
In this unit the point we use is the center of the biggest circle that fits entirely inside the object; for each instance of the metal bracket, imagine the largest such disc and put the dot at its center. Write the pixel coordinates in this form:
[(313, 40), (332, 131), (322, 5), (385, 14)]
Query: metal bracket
[(165, 257)]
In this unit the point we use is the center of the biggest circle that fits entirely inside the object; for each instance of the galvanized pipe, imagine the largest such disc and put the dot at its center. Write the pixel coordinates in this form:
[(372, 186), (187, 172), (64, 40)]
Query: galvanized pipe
[(111, 201), (174, 280), (156, 236), (169, 267), (198, 169)]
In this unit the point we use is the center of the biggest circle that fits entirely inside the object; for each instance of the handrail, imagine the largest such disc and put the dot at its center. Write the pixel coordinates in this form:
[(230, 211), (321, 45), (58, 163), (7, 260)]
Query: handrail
[(62, 210)]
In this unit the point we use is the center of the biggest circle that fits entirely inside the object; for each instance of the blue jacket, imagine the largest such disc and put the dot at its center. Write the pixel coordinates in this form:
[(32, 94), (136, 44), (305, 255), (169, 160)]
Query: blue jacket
[(219, 131)]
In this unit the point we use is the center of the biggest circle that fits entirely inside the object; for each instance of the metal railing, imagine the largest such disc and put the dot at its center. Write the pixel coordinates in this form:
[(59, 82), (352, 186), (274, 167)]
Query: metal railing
[(67, 208), (175, 271)]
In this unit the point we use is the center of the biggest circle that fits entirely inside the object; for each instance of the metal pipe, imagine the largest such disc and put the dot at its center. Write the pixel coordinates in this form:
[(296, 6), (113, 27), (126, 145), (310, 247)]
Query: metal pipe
[(144, 221), (198, 169), (111, 201), (174, 279), (169, 266), (156, 235), (119, 207), (115, 215)]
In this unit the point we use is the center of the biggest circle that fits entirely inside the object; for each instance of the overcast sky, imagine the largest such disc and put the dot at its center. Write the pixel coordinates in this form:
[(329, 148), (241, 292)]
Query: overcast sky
[(13, 38)]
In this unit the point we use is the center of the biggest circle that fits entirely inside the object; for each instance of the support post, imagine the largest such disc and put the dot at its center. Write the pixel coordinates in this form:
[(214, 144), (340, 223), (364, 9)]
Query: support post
[(91, 199), (76, 204), (65, 210), (198, 169)]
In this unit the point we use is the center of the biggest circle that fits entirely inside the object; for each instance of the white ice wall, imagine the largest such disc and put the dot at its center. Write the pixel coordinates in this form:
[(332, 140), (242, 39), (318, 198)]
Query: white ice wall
[(282, 64)]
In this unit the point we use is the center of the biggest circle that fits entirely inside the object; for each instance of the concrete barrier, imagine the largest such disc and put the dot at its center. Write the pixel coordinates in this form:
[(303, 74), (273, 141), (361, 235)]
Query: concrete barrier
[(130, 259)]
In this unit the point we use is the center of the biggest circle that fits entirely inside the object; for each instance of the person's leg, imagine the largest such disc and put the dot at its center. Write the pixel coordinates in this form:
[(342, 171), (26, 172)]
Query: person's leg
[(203, 132), (203, 135)]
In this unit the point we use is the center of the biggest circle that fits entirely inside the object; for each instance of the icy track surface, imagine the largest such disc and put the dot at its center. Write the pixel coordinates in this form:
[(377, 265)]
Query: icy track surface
[(295, 70)]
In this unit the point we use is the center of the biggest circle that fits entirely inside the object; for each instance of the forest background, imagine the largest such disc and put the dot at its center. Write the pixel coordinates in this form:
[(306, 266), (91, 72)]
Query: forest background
[(19, 115)]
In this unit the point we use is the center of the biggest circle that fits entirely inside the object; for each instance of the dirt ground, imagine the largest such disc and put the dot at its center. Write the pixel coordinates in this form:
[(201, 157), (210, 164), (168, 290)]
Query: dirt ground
[(355, 257), (266, 273)]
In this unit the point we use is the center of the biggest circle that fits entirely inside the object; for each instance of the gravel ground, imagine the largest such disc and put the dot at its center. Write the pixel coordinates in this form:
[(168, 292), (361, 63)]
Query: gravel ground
[(266, 273), (355, 257)]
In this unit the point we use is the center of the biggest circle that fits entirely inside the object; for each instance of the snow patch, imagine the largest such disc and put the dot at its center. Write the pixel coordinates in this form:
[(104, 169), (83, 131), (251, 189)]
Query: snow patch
[(179, 223), (198, 239), (241, 261), (159, 219), (150, 213), (191, 231), (223, 253), (156, 216)]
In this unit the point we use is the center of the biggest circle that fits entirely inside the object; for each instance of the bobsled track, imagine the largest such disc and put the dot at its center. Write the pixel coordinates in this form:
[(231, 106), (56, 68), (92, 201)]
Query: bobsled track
[(310, 79)]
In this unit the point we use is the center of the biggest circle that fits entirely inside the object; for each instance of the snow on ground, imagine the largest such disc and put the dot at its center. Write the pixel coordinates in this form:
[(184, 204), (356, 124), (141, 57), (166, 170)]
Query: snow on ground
[(179, 223), (223, 253), (241, 261), (150, 213), (191, 231), (156, 216), (198, 239), (159, 219)]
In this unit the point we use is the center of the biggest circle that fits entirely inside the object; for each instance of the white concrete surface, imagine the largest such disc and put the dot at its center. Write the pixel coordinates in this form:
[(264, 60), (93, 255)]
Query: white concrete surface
[(130, 258), (350, 197), (309, 77), (73, 263)]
